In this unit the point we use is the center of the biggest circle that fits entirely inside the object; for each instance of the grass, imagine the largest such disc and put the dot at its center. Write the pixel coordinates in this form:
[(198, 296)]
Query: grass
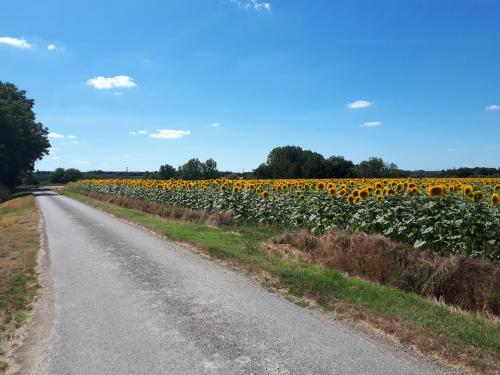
[(468, 339), (19, 244)]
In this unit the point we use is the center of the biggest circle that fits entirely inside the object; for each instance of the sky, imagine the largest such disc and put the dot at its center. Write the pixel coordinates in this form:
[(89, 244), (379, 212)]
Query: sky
[(137, 84)]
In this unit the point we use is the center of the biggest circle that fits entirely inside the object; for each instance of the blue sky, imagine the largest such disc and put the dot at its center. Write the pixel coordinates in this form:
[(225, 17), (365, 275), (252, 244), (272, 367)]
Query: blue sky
[(140, 83)]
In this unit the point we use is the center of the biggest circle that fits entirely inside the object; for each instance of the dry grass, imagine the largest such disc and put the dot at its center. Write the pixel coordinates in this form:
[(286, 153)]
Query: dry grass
[(19, 244), (166, 211), (470, 284)]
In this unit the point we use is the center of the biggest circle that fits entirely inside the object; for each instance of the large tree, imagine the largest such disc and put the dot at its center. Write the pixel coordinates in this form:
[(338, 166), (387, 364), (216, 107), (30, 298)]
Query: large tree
[(23, 140)]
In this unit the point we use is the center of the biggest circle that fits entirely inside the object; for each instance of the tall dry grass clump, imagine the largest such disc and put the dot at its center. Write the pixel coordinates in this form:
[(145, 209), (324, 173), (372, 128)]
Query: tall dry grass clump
[(471, 284)]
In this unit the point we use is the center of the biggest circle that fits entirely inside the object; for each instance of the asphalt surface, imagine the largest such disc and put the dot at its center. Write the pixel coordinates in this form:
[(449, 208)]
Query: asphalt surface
[(122, 301)]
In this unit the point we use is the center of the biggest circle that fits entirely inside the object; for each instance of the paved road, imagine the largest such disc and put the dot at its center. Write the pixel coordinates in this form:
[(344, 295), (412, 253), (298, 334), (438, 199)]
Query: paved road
[(126, 302)]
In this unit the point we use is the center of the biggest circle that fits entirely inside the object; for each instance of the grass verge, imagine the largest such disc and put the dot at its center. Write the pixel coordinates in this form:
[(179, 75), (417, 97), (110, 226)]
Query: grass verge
[(471, 340), (19, 245)]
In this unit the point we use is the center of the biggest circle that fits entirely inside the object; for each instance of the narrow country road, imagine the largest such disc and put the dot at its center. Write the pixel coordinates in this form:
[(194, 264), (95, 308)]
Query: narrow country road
[(126, 302)]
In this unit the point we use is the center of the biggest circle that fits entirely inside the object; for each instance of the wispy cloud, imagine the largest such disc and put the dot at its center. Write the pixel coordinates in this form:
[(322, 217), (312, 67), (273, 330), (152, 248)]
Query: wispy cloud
[(140, 132), (14, 42), (451, 149), (51, 47), (72, 137), (359, 104), (170, 134), (106, 83), (215, 125), (493, 107), (371, 124), (257, 5), (55, 135)]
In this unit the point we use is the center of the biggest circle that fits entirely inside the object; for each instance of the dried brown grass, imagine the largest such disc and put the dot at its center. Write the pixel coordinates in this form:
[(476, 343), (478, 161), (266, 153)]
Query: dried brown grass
[(470, 284), (166, 211), (19, 245)]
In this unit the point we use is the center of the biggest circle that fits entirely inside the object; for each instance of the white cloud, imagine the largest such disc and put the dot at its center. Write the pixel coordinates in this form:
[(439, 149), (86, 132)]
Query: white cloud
[(493, 107), (74, 142), (257, 5), (371, 124), (55, 135), (451, 149), (118, 93), (51, 47), (72, 137), (358, 104), (53, 150), (140, 132), (105, 83), (14, 42), (215, 125), (55, 158), (170, 134)]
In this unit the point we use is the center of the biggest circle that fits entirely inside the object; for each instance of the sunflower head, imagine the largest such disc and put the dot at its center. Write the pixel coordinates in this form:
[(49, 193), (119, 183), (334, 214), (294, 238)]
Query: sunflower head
[(265, 194), (320, 186), (351, 199), (363, 194), (435, 191), (495, 199), (477, 195), (331, 191)]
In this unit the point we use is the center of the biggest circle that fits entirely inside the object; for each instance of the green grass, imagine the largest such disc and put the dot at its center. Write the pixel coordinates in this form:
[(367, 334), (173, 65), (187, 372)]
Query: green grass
[(240, 244)]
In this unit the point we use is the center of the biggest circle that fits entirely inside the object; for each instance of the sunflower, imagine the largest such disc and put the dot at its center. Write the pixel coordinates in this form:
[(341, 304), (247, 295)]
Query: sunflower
[(363, 194), (435, 191), (223, 188), (495, 199), (265, 194), (351, 199), (320, 186), (466, 190), (477, 195), (332, 191)]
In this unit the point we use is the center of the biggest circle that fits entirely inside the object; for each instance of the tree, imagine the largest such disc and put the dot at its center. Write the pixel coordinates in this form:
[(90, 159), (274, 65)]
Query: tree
[(338, 167), (167, 172), (23, 141), (192, 170), (312, 165), (57, 176), (209, 169), (262, 171), (72, 174), (371, 168), (285, 162)]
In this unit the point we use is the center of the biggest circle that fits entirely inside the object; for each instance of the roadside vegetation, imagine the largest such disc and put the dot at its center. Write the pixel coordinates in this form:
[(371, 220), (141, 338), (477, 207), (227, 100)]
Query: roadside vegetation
[(468, 339), (19, 245)]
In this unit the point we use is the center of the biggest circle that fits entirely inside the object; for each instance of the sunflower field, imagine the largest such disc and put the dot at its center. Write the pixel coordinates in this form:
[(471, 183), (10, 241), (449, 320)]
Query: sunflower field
[(447, 215)]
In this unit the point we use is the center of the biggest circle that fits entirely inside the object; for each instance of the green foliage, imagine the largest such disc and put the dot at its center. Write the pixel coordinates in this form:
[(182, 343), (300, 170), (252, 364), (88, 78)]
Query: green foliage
[(22, 139), (62, 176)]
